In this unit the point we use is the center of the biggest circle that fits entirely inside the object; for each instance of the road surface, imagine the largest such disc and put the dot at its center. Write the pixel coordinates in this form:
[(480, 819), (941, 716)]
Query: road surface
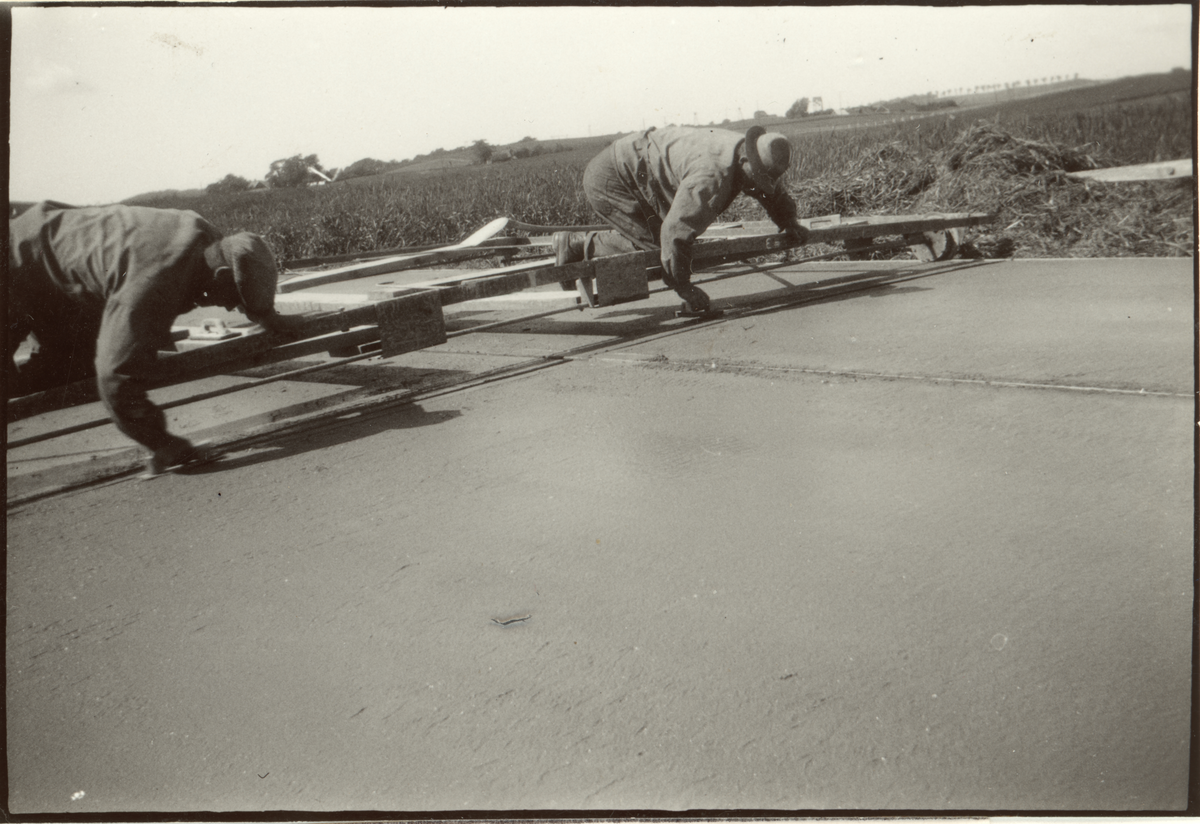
[(886, 537)]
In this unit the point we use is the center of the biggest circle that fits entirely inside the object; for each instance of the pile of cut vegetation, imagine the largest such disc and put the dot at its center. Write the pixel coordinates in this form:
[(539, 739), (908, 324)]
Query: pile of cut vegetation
[(1041, 210)]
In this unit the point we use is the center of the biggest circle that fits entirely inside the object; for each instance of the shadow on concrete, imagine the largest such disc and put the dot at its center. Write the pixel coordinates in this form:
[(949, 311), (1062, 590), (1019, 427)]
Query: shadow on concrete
[(298, 437), (848, 287), (649, 320), (394, 376), (321, 434)]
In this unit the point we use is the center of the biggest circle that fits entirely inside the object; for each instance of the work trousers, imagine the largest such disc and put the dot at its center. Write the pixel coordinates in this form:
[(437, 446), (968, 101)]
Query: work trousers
[(64, 331), (616, 199)]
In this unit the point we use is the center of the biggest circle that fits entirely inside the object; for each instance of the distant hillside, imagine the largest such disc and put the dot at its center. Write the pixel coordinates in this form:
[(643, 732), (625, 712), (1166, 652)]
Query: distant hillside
[(984, 97), (1075, 94), (524, 149), (1097, 92), (1124, 90)]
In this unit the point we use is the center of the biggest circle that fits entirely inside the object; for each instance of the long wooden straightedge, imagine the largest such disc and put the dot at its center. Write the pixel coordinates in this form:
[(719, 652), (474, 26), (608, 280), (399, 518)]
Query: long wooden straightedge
[(409, 317)]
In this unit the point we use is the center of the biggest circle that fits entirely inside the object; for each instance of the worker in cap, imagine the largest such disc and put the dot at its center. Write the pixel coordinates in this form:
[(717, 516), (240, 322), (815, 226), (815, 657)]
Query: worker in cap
[(661, 188), (99, 287)]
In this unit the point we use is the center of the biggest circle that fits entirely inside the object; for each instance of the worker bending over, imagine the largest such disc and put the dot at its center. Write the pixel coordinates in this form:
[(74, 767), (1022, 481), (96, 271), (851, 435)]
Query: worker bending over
[(661, 188), (99, 288)]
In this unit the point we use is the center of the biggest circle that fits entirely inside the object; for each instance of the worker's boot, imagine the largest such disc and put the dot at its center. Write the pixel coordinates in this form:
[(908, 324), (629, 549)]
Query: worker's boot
[(569, 247), (178, 453), (696, 303), (694, 298)]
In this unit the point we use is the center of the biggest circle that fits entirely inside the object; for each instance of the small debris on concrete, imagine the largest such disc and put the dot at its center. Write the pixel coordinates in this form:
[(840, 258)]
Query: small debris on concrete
[(516, 619)]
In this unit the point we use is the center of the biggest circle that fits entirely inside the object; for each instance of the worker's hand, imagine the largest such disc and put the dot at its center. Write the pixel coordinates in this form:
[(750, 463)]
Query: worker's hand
[(795, 232), (178, 452), (284, 327)]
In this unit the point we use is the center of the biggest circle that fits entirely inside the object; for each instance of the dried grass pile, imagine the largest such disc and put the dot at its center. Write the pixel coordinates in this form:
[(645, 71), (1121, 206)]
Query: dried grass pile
[(986, 147), (1042, 212), (881, 180)]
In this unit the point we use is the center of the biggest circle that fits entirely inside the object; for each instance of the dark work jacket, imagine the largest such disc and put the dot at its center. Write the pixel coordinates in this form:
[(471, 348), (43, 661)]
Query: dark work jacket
[(139, 268)]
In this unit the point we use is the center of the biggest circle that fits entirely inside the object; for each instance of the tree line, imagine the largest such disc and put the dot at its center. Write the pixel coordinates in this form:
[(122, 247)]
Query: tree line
[(305, 170)]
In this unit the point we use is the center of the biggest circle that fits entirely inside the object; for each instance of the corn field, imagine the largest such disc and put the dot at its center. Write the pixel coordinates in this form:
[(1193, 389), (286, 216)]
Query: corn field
[(1010, 160)]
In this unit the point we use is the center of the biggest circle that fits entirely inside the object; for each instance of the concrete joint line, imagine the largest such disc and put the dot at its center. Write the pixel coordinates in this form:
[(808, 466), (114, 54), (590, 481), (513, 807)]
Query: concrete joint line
[(711, 365)]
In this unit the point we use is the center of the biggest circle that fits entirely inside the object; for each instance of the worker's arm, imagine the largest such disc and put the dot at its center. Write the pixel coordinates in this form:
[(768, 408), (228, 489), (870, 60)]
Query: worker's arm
[(697, 203), (782, 210), (133, 327), (283, 327)]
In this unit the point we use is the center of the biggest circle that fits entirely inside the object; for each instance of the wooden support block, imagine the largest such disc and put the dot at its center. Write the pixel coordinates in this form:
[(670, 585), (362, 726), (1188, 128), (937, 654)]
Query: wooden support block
[(619, 282), (928, 247), (858, 248), (584, 285), (822, 222), (349, 351), (354, 342), (410, 322)]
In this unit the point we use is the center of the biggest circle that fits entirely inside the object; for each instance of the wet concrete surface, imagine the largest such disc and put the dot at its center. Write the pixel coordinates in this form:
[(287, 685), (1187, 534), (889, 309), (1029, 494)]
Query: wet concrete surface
[(881, 539)]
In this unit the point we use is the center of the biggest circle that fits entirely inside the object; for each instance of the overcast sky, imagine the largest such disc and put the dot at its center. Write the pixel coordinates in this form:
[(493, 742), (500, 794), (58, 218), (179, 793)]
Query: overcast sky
[(111, 102)]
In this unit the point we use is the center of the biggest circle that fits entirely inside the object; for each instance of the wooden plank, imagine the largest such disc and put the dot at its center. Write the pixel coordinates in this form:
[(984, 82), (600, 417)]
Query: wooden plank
[(466, 275), (515, 240), (474, 285), (464, 250), (836, 228), (302, 263), (1163, 170), (871, 227), (492, 229), (530, 227), (393, 264)]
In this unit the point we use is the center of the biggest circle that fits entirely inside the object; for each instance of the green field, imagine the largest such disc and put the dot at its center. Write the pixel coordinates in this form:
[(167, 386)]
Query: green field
[(1008, 157)]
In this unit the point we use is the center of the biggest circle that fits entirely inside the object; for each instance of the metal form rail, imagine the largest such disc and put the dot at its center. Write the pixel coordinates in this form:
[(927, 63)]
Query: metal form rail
[(406, 318)]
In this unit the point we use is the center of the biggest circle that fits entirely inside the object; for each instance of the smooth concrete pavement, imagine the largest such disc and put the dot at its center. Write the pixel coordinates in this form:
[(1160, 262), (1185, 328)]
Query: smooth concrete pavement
[(883, 538)]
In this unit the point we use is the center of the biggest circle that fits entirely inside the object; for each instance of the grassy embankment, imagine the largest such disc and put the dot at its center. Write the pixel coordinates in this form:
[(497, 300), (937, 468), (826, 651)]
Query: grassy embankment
[(1010, 158)]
